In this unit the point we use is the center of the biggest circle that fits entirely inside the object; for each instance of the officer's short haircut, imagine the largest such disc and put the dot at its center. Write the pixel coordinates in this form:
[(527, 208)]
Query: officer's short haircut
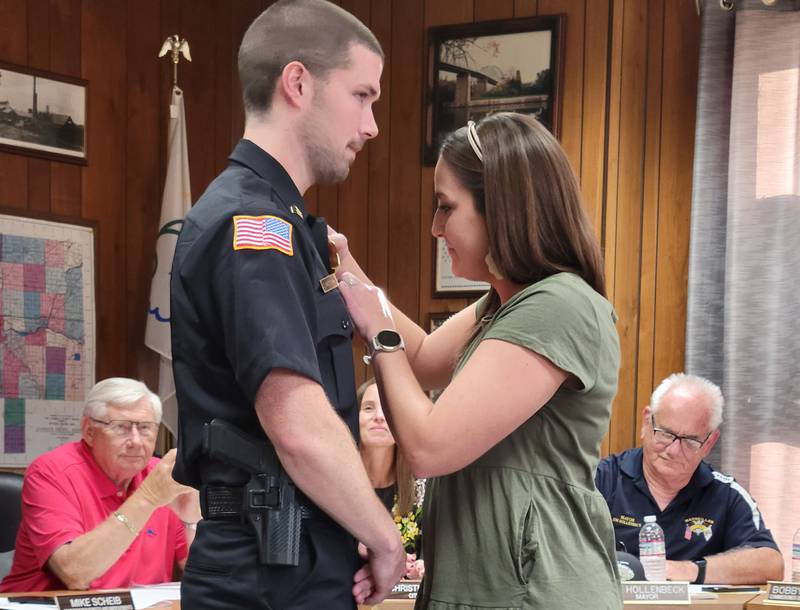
[(316, 33)]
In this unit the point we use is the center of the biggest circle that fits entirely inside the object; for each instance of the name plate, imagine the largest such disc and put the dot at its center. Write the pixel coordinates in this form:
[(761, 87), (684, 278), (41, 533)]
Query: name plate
[(405, 589), (783, 592), (115, 600), (655, 592)]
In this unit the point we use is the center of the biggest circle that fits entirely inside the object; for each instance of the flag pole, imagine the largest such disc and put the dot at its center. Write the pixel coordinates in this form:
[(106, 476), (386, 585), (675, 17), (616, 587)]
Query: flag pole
[(175, 203)]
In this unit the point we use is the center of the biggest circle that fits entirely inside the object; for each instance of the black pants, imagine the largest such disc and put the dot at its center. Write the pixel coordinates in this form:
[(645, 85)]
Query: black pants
[(223, 573)]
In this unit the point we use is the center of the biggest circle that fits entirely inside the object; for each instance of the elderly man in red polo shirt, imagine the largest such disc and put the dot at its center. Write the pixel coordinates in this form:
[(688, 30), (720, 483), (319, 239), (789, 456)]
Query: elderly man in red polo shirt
[(103, 512)]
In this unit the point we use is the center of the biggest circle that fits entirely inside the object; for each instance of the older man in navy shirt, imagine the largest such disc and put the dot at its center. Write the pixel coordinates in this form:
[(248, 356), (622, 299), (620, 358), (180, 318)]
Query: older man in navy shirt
[(714, 531)]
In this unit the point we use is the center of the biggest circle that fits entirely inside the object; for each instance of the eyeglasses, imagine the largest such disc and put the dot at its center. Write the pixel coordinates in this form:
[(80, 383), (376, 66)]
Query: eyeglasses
[(665, 438), (124, 427)]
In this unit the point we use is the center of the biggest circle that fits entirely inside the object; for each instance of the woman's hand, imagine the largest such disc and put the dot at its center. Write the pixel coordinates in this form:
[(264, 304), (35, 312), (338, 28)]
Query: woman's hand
[(367, 305), (339, 241)]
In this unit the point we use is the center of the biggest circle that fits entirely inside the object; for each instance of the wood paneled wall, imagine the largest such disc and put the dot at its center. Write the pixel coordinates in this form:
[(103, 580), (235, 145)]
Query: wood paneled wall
[(627, 125), (649, 153)]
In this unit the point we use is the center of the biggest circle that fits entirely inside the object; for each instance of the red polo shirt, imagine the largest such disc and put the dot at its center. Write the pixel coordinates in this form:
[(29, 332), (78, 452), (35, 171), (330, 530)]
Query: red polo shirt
[(65, 495)]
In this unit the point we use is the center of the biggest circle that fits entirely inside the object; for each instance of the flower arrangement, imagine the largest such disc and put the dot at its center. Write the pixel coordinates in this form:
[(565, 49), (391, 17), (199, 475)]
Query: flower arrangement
[(409, 523), (409, 527)]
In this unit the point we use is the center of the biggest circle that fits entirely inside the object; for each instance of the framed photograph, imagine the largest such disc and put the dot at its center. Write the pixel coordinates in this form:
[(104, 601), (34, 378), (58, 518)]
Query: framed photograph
[(42, 114), (476, 69), (445, 283), (47, 344)]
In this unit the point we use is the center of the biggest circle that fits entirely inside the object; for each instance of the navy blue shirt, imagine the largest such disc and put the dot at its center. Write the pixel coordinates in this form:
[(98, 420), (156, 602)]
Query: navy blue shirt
[(245, 299), (712, 514)]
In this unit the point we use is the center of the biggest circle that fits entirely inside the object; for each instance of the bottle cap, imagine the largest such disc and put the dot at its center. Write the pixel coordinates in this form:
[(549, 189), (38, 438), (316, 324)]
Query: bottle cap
[(650, 519)]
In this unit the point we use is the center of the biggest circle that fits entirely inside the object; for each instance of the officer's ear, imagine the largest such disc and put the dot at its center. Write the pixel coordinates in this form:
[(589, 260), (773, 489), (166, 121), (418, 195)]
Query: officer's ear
[(296, 85)]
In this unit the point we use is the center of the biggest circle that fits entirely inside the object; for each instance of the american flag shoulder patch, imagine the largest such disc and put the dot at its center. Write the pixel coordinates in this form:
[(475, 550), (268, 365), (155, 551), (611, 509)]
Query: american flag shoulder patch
[(262, 233)]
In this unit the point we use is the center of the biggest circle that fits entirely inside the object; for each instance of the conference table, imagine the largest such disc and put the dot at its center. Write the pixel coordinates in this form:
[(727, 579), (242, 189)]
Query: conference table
[(725, 601), (758, 603)]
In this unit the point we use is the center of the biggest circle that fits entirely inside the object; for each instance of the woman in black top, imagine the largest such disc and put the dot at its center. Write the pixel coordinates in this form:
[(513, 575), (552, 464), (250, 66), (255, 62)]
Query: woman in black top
[(389, 473)]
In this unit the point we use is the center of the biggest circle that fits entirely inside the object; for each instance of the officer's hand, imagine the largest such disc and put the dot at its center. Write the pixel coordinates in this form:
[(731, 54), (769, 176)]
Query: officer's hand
[(367, 306), (159, 488), (374, 581)]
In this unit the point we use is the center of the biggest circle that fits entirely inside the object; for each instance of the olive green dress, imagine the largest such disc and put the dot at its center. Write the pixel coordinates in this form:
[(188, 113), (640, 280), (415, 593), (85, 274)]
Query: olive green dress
[(524, 526)]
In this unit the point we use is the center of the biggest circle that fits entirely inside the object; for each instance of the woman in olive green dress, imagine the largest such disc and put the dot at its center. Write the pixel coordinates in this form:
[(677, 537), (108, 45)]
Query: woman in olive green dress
[(511, 518)]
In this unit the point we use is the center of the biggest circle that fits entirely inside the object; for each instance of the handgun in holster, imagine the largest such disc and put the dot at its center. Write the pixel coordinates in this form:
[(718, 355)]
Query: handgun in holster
[(269, 501)]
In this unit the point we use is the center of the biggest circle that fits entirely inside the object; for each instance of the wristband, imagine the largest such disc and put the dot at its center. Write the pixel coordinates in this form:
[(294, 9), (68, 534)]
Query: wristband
[(190, 525), (701, 571), (126, 522)]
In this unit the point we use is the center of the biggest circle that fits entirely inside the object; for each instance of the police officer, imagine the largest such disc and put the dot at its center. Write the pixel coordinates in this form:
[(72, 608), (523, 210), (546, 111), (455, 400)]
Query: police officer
[(261, 336), (713, 529)]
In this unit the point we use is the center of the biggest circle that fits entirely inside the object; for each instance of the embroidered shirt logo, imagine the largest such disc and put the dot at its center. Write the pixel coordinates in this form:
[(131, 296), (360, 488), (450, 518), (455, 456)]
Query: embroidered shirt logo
[(698, 526), (626, 520)]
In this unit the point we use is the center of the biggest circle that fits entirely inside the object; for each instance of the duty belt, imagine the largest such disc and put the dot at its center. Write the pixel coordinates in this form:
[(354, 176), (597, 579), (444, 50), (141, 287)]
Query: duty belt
[(218, 502)]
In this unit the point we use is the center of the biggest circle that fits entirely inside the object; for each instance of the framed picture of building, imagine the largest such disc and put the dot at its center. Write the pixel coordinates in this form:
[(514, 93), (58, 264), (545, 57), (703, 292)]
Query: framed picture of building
[(42, 114), (476, 69)]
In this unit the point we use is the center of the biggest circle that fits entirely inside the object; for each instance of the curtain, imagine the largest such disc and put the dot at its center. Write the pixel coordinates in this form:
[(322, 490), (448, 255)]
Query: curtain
[(743, 312)]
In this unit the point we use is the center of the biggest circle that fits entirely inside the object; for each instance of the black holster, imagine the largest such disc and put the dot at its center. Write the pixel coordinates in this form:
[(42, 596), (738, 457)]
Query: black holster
[(268, 502)]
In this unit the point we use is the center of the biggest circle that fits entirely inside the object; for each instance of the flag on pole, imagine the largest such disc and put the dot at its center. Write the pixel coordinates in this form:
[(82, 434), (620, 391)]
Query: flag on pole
[(175, 204)]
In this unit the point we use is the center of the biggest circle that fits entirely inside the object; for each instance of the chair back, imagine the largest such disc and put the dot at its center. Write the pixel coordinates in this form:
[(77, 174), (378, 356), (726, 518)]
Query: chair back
[(10, 508)]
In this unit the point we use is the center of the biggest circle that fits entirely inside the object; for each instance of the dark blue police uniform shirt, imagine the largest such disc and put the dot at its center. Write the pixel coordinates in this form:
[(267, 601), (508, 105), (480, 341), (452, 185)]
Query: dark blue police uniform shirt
[(712, 514), (236, 314)]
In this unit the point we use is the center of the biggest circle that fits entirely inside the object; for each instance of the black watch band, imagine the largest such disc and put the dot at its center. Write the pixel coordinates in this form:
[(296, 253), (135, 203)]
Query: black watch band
[(701, 571)]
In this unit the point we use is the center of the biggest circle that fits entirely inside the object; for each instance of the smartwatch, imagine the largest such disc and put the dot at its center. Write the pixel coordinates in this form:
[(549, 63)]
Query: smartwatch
[(701, 571), (386, 340)]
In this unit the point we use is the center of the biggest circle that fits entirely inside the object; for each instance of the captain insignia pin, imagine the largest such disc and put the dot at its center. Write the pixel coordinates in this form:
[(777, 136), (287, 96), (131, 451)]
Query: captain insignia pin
[(329, 282)]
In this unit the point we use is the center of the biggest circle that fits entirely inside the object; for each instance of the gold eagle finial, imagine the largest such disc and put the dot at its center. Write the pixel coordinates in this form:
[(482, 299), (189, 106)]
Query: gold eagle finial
[(177, 46)]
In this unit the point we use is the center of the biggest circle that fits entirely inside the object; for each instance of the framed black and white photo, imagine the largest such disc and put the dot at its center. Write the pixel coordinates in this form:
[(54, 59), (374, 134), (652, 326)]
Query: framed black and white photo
[(445, 283), (42, 114), (476, 69)]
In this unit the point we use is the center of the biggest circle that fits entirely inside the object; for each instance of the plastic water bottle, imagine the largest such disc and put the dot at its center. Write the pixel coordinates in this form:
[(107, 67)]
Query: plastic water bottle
[(652, 552), (796, 557)]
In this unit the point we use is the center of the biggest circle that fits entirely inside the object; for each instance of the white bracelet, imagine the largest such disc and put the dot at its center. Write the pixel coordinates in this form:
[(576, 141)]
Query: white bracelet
[(126, 522), (190, 525)]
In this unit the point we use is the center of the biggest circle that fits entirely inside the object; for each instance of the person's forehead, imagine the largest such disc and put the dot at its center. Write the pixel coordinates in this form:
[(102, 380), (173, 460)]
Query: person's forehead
[(445, 181), (140, 410), (684, 410), (364, 66), (371, 394)]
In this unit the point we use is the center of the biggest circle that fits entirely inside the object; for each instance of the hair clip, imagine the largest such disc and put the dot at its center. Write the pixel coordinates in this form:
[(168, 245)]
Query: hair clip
[(474, 141)]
